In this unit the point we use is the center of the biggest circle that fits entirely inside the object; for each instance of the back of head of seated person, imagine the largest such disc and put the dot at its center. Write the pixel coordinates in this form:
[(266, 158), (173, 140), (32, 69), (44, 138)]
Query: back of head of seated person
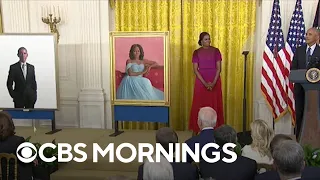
[(308, 172), (277, 140), (225, 134), (158, 170), (9, 143), (7, 128), (289, 159), (207, 118), (165, 136), (259, 149), (242, 169)]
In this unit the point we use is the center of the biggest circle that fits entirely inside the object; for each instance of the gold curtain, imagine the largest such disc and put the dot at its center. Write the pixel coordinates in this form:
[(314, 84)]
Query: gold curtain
[(156, 15), (230, 23)]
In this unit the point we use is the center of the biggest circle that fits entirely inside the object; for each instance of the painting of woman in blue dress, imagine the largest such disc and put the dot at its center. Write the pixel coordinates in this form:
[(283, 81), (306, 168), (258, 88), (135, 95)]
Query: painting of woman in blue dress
[(134, 86)]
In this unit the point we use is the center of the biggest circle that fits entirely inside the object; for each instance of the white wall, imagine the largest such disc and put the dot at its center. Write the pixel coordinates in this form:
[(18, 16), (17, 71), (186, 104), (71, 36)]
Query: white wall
[(83, 57), (264, 10)]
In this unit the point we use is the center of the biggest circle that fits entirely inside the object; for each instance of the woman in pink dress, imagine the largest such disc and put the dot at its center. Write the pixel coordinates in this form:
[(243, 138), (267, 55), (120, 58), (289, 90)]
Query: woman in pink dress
[(207, 90)]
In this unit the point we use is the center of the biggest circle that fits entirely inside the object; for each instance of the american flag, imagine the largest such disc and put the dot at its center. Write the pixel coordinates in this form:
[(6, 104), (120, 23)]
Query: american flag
[(274, 73), (295, 39)]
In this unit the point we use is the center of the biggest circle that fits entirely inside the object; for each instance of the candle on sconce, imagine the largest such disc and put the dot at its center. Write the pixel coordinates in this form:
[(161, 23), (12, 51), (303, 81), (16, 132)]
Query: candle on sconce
[(42, 11)]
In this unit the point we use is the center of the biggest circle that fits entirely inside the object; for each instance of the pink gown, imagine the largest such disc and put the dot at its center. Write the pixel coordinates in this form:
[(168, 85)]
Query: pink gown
[(206, 59)]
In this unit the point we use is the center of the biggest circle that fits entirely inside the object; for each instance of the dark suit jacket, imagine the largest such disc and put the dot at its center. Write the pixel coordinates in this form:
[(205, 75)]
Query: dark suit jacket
[(299, 58), (242, 169), (299, 62), (308, 173), (204, 137), (10, 146), (22, 86), (181, 171)]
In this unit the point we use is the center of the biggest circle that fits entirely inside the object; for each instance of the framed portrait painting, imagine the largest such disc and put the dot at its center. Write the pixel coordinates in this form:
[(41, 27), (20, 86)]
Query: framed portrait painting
[(140, 68), (28, 71)]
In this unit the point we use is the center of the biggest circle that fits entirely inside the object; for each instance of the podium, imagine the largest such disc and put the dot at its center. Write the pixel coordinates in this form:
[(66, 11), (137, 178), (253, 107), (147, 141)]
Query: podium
[(310, 126)]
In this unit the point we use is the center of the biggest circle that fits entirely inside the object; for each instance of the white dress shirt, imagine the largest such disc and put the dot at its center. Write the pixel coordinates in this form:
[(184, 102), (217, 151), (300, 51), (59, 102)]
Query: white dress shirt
[(207, 128), (295, 178), (24, 71), (312, 48)]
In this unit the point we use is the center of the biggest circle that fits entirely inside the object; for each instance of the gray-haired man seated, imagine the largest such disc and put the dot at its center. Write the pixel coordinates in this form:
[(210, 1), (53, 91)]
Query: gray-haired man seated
[(308, 173), (289, 160)]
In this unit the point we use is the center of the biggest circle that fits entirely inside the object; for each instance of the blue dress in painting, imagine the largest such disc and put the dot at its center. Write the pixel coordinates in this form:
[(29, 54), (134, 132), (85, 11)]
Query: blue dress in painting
[(137, 87)]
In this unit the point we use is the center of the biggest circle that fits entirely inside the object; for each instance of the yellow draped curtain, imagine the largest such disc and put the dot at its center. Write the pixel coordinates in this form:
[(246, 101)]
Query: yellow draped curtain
[(230, 23)]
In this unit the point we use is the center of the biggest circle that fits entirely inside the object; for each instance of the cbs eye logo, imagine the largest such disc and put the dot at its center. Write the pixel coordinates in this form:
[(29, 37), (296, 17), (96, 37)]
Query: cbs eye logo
[(26, 152)]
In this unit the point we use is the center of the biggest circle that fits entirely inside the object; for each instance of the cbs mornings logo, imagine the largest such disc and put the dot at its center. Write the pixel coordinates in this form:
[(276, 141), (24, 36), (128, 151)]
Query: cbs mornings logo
[(176, 150), (28, 155)]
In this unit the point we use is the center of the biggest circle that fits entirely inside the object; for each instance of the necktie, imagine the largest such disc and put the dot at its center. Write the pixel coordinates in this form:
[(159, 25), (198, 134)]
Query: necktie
[(24, 70), (308, 55)]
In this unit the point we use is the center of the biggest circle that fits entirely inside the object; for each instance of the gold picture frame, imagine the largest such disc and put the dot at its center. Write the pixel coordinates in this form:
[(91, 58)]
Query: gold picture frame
[(155, 45)]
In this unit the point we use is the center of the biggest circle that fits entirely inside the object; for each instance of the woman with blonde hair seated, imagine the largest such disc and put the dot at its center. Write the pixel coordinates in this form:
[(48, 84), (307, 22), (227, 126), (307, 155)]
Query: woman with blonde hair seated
[(259, 149)]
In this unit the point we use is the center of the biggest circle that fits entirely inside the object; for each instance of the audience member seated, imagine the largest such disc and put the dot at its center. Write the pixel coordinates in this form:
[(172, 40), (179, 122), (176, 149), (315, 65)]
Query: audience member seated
[(289, 160), (158, 170), (242, 169), (207, 119), (181, 171), (9, 143), (308, 172), (259, 150)]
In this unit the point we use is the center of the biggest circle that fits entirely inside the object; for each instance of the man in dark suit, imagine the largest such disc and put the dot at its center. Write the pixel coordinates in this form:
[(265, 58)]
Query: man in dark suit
[(289, 160), (308, 172), (242, 169), (181, 171), (207, 119), (22, 74), (303, 55)]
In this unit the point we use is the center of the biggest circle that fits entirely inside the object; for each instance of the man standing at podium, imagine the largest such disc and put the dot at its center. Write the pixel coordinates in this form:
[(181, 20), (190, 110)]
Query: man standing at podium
[(301, 58)]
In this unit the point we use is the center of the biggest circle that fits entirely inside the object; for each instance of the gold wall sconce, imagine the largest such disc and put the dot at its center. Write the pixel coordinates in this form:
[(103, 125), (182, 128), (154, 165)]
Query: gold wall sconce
[(51, 17)]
